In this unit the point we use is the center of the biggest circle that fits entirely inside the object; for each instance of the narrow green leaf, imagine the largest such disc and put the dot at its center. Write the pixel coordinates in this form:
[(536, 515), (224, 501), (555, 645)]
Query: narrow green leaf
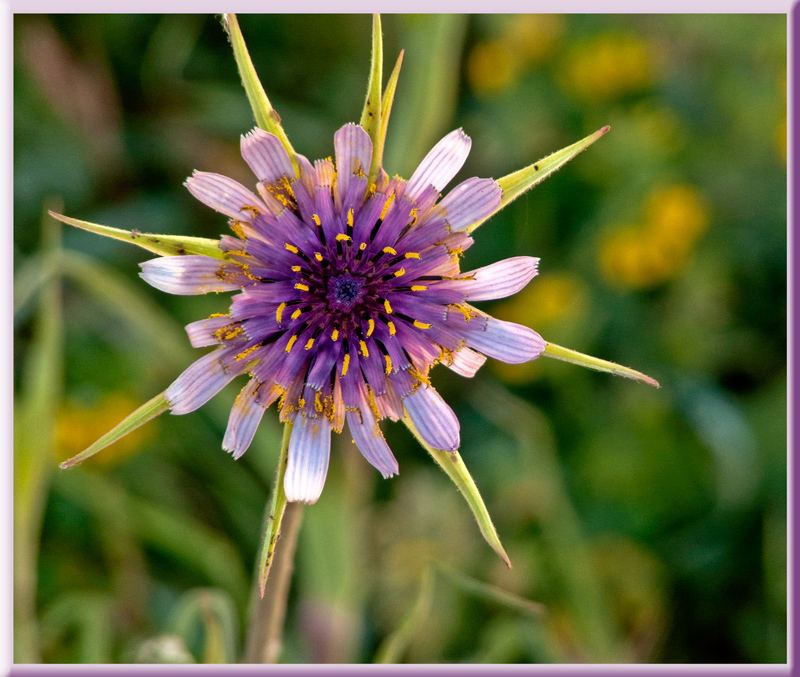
[(395, 645), (163, 245), (371, 115), (574, 357), (272, 528), (148, 411), (516, 184), (490, 593), (266, 116), (386, 109), (453, 465), (215, 610)]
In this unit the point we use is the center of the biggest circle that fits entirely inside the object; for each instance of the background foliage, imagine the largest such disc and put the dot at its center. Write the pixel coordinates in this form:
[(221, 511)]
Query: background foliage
[(651, 524)]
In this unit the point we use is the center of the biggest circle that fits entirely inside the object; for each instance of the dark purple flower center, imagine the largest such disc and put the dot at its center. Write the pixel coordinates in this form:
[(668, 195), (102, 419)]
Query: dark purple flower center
[(345, 291)]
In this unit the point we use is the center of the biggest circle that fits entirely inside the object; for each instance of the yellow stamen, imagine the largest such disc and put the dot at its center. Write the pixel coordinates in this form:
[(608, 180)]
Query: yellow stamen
[(334, 334), (389, 250), (301, 287), (399, 273), (346, 363), (318, 401), (279, 312), (370, 326), (315, 219), (386, 206), (362, 246), (318, 256), (297, 269), (418, 287), (388, 364), (364, 350), (387, 306), (392, 328), (421, 325), (310, 343), (342, 236), (411, 255), (291, 343), (296, 314), (350, 218), (291, 248)]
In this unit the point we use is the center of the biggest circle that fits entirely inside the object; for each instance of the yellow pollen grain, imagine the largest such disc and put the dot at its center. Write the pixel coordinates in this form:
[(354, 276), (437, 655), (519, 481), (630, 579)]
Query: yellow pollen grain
[(310, 343), (291, 248), (318, 401), (296, 269), (291, 343), (279, 312), (389, 250), (334, 335), (387, 306), (400, 273), (219, 315), (342, 236), (392, 328), (315, 218), (388, 364), (318, 256), (421, 325), (411, 255), (345, 363), (418, 287), (296, 314), (245, 353), (301, 287), (364, 350), (370, 326)]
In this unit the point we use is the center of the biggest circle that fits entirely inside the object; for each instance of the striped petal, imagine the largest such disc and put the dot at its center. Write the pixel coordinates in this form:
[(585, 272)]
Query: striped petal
[(353, 155), (206, 332), (440, 165), (309, 451), (496, 281), (465, 362), (369, 439), (246, 413), (433, 418), (471, 201), (266, 156), (225, 195), (191, 274), (506, 341), (200, 382)]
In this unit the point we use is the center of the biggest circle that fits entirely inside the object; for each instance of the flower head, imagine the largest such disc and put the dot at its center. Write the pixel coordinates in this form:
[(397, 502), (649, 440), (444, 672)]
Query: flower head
[(349, 292)]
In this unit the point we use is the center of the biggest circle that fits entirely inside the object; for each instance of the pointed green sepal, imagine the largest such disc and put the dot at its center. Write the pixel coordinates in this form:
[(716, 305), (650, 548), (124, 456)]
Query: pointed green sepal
[(148, 411), (371, 115), (272, 528), (386, 109), (453, 465), (163, 245), (514, 185), (266, 116), (574, 357)]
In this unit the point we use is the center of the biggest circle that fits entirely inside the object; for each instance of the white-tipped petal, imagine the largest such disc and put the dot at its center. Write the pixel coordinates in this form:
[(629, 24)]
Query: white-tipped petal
[(249, 407), (266, 156), (191, 274), (506, 341), (471, 201), (433, 418), (440, 165), (353, 155), (495, 281), (466, 362), (309, 452), (199, 383), (370, 441), (225, 195)]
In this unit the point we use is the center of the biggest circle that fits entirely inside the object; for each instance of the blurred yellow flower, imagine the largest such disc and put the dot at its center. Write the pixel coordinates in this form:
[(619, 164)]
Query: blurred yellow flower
[(492, 67), (534, 36), (78, 426), (608, 66), (641, 256)]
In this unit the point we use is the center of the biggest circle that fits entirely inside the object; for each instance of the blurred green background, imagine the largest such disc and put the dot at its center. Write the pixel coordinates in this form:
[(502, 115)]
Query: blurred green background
[(651, 524)]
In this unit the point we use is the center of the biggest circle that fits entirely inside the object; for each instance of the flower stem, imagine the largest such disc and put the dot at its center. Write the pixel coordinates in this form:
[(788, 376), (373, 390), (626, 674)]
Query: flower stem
[(273, 572)]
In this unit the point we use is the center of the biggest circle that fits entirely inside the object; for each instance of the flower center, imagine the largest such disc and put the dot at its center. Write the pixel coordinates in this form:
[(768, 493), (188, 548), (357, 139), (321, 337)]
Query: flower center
[(345, 291)]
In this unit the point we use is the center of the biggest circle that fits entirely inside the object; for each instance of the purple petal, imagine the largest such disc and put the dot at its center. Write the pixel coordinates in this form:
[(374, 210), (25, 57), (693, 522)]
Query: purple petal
[(266, 156), (433, 418), (369, 439), (227, 196), (496, 281), (465, 362), (353, 155), (200, 382), (202, 333), (246, 413), (471, 201), (309, 451), (506, 341), (440, 165), (191, 274)]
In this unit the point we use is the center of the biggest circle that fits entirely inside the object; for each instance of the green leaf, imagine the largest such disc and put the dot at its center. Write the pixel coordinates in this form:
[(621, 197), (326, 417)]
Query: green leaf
[(574, 357), (266, 116), (215, 610), (272, 528), (453, 465), (148, 411), (371, 115), (516, 184), (163, 245)]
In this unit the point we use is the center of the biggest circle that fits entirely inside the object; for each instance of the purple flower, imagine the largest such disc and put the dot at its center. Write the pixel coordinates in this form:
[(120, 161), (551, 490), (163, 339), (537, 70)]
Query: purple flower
[(349, 292)]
